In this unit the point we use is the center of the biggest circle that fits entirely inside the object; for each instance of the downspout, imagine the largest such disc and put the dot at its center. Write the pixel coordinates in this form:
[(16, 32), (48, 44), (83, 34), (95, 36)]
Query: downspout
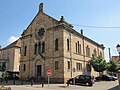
[(71, 55)]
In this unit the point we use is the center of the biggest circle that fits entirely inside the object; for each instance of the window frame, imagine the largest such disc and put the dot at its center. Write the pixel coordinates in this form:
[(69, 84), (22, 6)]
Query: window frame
[(68, 45), (24, 67), (56, 44), (78, 66), (68, 64), (56, 65), (35, 48), (25, 50), (43, 47)]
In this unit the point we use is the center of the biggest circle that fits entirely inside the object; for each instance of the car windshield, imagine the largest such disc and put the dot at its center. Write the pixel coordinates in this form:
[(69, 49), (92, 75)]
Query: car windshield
[(87, 77), (84, 77)]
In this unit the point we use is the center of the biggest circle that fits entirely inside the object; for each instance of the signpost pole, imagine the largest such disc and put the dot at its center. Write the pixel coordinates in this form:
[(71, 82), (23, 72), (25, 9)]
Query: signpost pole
[(48, 80), (48, 74)]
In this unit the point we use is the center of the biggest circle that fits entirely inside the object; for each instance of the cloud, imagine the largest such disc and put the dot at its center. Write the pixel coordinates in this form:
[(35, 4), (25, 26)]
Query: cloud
[(12, 39)]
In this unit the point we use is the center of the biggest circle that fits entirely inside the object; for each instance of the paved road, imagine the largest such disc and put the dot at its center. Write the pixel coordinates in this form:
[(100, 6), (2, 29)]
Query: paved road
[(103, 85)]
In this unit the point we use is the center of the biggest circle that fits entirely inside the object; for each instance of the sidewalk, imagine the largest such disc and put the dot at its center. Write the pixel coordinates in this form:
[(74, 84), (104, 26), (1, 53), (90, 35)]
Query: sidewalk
[(47, 87)]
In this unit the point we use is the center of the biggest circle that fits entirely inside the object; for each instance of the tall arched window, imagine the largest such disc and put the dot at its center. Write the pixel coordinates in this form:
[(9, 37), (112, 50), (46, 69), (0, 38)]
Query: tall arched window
[(100, 53), (56, 44), (39, 47), (95, 52), (68, 45), (43, 47), (78, 47), (35, 48), (87, 51), (25, 50)]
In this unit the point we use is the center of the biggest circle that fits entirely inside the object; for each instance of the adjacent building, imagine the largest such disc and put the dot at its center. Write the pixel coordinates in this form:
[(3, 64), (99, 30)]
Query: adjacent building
[(10, 58), (116, 59), (50, 44)]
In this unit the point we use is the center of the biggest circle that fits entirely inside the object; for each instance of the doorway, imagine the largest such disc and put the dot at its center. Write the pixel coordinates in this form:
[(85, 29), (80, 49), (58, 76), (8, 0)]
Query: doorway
[(39, 70)]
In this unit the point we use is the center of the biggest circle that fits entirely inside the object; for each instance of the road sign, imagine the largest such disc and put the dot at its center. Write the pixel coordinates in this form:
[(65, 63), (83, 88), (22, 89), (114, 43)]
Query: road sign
[(48, 72)]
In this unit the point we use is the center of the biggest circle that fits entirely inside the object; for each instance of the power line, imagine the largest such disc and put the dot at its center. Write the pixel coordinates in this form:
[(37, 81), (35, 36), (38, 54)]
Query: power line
[(94, 26)]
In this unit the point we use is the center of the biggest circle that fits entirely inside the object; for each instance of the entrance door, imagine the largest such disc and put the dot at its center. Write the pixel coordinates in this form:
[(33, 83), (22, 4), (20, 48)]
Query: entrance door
[(39, 70)]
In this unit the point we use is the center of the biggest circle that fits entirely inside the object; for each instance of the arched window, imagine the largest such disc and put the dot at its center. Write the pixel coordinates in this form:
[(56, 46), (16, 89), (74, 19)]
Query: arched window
[(35, 48), (56, 44), (43, 47), (78, 48), (100, 53), (39, 47), (68, 45), (95, 52), (68, 62), (87, 51), (25, 50)]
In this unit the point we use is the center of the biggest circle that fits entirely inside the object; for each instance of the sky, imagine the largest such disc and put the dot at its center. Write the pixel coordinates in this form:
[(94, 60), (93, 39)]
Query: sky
[(16, 15)]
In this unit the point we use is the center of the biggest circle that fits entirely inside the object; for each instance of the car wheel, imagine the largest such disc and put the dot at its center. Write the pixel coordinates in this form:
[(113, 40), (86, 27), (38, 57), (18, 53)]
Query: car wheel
[(87, 84), (90, 84)]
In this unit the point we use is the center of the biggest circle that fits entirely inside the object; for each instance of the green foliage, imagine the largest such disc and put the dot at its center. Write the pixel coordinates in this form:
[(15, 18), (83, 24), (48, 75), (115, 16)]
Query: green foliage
[(112, 66), (99, 64)]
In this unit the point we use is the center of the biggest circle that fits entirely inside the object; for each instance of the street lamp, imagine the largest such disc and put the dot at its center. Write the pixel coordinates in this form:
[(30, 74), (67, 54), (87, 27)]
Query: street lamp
[(118, 49)]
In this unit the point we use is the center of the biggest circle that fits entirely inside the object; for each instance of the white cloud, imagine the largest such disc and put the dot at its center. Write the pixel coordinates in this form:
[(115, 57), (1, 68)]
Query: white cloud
[(12, 39)]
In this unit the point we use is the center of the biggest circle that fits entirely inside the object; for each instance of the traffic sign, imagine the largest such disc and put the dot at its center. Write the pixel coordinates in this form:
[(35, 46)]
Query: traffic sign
[(48, 72)]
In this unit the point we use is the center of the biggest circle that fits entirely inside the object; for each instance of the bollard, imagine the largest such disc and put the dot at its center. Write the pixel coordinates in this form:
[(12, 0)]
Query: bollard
[(31, 82), (42, 83), (22, 82), (68, 83)]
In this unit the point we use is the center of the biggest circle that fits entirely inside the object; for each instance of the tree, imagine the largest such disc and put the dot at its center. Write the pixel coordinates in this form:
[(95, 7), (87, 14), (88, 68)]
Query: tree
[(112, 66), (99, 64)]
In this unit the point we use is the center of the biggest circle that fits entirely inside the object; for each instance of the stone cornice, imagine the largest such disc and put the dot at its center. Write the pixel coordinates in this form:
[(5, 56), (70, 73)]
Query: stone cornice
[(70, 29)]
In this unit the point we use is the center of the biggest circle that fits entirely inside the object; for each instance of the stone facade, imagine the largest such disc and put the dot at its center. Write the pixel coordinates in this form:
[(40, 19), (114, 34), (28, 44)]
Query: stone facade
[(11, 56), (61, 49)]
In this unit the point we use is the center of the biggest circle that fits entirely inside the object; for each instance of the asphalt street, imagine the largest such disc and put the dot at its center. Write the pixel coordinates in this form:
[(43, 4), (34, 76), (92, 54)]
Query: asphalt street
[(102, 85)]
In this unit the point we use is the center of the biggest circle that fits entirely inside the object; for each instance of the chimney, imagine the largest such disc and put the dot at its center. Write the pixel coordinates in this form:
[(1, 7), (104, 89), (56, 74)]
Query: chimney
[(41, 7), (81, 31), (62, 19), (0, 46)]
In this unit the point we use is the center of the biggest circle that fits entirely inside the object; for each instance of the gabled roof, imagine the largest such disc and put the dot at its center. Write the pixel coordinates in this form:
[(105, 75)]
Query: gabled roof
[(40, 12), (14, 44)]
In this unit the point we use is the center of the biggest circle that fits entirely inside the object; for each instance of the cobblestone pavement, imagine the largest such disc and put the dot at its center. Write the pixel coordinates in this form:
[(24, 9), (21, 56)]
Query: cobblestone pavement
[(103, 85)]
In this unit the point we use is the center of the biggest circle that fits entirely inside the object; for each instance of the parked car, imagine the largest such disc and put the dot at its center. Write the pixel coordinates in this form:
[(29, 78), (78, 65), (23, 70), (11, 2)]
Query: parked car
[(104, 78), (113, 77), (82, 79)]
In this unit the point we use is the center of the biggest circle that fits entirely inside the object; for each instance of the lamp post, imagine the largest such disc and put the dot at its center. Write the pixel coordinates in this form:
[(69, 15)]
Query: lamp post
[(118, 49)]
